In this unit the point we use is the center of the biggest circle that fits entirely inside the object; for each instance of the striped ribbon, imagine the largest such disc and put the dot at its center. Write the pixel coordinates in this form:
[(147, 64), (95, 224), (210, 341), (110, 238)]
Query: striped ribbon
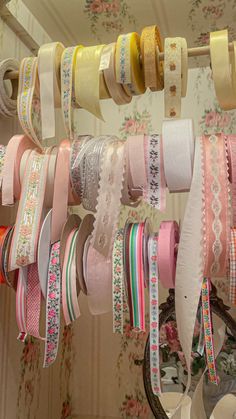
[(117, 282), (154, 315), (70, 303), (208, 336), (53, 306)]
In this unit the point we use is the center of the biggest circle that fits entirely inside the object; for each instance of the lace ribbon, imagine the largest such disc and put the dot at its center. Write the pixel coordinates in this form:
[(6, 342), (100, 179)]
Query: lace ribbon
[(109, 197), (155, 191), (154, 315), (117, 282)]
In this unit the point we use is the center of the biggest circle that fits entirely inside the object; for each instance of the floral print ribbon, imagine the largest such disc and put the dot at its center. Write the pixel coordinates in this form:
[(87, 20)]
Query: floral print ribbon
[(117, 282), (154, 314), (26, 231), (155, 190), (209, 344), (53, 306)]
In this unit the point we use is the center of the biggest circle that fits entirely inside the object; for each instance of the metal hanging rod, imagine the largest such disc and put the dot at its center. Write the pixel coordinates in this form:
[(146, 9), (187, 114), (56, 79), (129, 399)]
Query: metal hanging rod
[(192, 52)]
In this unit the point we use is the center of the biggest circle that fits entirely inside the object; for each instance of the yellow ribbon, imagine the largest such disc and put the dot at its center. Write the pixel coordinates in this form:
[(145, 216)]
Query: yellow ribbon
[(129, 68), (49, 60), (153, 67), (87, 79)]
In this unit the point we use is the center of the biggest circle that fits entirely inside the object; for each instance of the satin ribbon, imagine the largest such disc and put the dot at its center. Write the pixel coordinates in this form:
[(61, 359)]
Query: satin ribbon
[(49, 61), (26, 232), (11, 185), (117, 282), (216, 206), (21, 305), (223, 65), (4, 232), (232, 272), (70, 303), (153, 67), (53, 306), (129, 70), (2, 162), (98, 278), (137, 176), (209, 343), (175, 75), (87, 79), (167, 252), (27, 87), (178, 152), (8, 105), (155, 191), (154, 314), (231, 147), (68, 96), (109, 197), (61, 190)]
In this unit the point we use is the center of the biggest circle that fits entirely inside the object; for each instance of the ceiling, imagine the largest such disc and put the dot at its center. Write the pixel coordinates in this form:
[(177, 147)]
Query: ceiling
[(100, 21)]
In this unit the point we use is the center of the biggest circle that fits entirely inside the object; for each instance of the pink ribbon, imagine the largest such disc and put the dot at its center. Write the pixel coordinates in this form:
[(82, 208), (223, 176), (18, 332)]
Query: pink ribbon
[(167, 252)]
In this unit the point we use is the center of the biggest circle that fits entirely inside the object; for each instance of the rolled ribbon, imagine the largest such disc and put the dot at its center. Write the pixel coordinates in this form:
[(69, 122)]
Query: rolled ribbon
[(27, 85), (154, 314), (11, 185), (117, 282), (178, 152), (77, 154), (155, 190), (87, 79), (167, 252), (129, 70), (26, 231), (153, 68), (116, 90), (49, 61), (4, 231), (8, 105), (222, 69)]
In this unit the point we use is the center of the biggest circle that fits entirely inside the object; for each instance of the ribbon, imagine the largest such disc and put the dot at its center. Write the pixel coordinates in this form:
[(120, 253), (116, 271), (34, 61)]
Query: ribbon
[(232, 272), (216, 206), (4, 233), (27, 86), (117, 282), (109, 197), (154, 314), (87, 79), (223, 69), (53, 306), (116, 90), (129, 70), (178, 151), (11, 185), (209, 343), (153, 67), (21, 305), (10, 277), (231, 147), (155, 190), (2, 162), (167, 252), (77, 154), (8, 105), (68, 96), (137, 176), (61, 191), (70, 303), (33, 302), (26, 232), (49, 61)]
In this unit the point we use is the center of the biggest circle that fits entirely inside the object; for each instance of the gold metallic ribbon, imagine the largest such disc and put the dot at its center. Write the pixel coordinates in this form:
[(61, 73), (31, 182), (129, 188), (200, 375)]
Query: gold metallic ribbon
[(129, 69), (153, 67)]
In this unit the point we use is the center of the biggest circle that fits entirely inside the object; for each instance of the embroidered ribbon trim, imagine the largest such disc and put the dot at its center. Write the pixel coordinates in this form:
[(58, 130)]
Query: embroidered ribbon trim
[(53, 306), (77, 155), (172, 77), (109, 197), (154, 315), (70, 303), (208, 336), (26, 232), (117, 282), (232, 294), (21, 305), (155, 191), (216, 199), (27, 85)]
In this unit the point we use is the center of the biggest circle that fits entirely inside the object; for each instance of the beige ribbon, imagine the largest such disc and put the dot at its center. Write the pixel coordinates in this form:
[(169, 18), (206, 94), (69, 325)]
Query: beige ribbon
[(49, 60), (87, 79)]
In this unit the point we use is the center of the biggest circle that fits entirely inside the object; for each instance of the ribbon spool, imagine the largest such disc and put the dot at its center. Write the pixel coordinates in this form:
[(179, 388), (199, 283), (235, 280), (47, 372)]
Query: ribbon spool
[(168, 240), (129, 69), (153, 68), (8, 103), (116, 90), (44, 247), (85, 230), (223, 66), (87, 79), (178, 151)]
